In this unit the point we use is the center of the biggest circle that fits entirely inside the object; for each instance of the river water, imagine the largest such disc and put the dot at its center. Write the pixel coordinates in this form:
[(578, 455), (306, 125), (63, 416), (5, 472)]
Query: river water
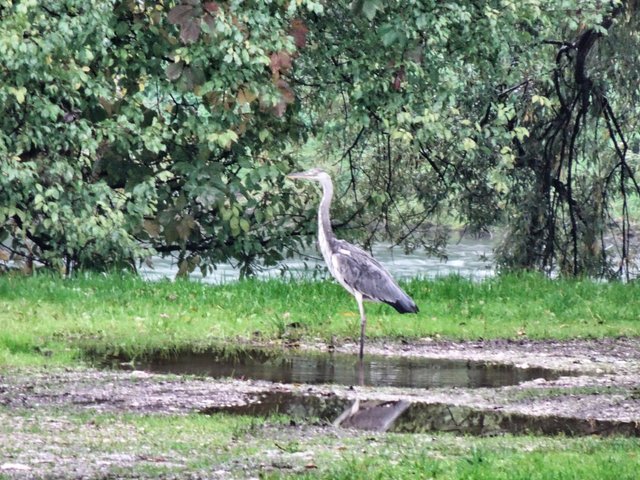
[(470, 258)]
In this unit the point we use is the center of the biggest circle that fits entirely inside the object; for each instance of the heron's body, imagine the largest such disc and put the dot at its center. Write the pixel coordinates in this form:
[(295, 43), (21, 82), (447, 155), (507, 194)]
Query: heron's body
[(357, 271)]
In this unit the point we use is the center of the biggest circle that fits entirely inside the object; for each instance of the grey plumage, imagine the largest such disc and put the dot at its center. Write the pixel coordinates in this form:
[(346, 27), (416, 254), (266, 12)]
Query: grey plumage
[(365, 274), (357, 271)]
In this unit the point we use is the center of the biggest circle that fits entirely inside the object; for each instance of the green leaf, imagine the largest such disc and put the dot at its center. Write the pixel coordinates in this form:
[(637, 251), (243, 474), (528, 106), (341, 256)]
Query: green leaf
[(264, 134), (370, 8), (234, 224), (469, 144), (19, 93), (389, 37)]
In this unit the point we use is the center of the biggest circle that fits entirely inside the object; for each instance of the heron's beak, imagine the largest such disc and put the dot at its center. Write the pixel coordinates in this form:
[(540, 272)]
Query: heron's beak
[(294, 176)]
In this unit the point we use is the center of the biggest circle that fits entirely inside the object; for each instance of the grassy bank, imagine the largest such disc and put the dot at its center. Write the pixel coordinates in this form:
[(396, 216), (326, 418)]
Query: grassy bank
[(196, 446), (45, 319)]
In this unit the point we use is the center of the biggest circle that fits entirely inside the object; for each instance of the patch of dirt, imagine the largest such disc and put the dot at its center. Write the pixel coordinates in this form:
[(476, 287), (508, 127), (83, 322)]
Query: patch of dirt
[(114, 391)]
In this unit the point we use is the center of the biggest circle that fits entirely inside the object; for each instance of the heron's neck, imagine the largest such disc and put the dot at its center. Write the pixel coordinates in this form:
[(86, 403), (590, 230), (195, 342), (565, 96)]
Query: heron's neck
[(324, 221)]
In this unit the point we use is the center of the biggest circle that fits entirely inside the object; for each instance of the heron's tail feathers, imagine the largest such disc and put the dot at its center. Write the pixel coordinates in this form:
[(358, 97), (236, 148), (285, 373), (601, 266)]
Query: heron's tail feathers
[(403, 304)]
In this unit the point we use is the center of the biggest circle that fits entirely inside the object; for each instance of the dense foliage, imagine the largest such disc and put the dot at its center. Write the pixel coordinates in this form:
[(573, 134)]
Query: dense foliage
[(520, 113), (130, 127)]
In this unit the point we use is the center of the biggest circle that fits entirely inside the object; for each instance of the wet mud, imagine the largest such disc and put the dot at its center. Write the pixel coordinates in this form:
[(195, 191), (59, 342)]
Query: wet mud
[(594, 380)]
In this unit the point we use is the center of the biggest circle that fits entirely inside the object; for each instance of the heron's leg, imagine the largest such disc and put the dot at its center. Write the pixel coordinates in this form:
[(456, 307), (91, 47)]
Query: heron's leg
[(363, 323)]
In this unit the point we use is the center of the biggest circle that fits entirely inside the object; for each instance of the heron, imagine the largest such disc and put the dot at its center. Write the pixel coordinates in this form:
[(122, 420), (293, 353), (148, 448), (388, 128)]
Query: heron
[(357, 271)]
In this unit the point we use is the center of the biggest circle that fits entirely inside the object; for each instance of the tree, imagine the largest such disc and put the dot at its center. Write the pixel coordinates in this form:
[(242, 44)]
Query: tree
[(138, 127), (576, 171), (486, 114), (413, 103), (131, 127)]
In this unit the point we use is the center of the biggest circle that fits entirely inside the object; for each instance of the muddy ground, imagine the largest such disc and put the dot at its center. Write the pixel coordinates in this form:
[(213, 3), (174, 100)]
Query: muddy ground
[(601, 389)]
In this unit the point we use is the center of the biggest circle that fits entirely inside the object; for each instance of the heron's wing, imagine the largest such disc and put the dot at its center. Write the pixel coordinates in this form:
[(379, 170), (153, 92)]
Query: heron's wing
[(363, 273)]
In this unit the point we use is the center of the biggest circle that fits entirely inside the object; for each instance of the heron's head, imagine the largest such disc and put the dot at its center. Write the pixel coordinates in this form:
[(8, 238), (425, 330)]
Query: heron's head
[(315, 174)]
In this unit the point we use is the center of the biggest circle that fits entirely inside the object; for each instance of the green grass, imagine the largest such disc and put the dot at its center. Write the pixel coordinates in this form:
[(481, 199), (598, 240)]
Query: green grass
[(152, 445), (507, 458), (46, 319)]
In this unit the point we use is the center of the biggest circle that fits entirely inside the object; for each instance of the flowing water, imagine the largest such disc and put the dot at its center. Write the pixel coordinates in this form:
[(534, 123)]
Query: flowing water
[(471, 258), (296, 367)]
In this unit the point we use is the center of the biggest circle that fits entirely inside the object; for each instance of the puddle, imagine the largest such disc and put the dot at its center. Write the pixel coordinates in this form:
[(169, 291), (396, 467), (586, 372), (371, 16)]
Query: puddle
[(342, 369), (322, 407), (426, 417), (420, 417)]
